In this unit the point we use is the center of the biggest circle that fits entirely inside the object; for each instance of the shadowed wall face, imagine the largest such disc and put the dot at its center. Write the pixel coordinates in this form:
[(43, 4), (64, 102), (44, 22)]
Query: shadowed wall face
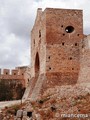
[(37, 65)]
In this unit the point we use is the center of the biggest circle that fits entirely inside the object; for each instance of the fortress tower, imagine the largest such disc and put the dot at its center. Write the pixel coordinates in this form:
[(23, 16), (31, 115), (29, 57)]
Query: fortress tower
[(56, 40)]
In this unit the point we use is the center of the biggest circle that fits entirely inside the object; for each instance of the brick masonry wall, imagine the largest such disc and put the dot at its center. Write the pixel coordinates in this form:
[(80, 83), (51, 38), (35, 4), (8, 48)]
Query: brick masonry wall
[(56, 46), (57, 21), (15, 75), (63, 47), (64, 32)]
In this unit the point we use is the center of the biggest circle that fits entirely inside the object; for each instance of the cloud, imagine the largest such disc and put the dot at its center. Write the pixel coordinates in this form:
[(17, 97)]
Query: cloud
[(13, 51), (16, 21)]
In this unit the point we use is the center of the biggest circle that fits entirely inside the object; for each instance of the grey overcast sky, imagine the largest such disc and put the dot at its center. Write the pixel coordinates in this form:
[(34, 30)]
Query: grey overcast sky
[(16, 20)]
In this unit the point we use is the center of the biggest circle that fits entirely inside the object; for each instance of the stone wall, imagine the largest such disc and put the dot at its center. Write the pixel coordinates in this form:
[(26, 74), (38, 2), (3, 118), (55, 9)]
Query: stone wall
[(64, 33), (16, 74), (56, 40), (16, 80)]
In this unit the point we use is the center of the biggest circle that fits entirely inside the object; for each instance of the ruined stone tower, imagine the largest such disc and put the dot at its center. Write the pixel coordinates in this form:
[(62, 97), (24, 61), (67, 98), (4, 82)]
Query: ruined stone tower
[(56, 39)]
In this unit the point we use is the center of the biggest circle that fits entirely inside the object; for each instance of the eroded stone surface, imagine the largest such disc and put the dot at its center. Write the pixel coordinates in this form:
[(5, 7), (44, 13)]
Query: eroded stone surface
[(56, 45)]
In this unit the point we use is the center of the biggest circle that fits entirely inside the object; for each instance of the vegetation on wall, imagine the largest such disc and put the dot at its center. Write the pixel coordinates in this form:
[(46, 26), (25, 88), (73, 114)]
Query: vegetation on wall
[(11, 90)]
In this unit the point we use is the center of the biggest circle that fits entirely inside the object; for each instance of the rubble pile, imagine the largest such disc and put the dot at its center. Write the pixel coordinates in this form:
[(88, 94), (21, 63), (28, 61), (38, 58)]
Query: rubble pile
[(58, 102)]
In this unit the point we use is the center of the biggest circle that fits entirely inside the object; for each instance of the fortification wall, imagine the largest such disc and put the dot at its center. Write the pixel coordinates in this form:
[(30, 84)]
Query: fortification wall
[(60, 54), (13, 75), (64, 33), (56, 39)]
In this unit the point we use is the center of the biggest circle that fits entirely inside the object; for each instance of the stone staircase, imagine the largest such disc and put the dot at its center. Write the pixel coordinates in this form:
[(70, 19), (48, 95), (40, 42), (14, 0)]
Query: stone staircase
[(28, 89), (32, 84), (37, 88)]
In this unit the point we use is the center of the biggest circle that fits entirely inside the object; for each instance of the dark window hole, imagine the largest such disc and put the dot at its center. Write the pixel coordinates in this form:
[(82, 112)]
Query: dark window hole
[(63, 34), (70, 58), (29, 114), (63, 43), (72, 68), (39, 33), (61, 25), (41, 101), (79, 110), (49, 68), (6, 73), (14, 73), (82, 46), (76, 44), (53, 108), (69, 29), (34, 41), (49, 57), (77, 34)]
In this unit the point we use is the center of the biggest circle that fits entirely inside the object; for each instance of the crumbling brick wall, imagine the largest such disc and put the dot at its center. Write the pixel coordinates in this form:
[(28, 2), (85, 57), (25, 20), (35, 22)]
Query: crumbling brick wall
[(56, 41), (64, 33)]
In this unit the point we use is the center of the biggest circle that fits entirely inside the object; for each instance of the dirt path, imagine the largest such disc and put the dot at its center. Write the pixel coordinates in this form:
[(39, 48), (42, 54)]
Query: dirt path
[(9, 103)]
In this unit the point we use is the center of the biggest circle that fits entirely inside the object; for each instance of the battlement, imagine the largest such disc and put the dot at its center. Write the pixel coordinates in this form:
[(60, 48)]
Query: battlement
[(21, 74), (14, 72)]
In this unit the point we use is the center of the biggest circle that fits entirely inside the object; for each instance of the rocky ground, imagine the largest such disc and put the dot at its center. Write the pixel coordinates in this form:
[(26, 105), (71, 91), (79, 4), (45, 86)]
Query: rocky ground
[(66, 100), (59, 103)]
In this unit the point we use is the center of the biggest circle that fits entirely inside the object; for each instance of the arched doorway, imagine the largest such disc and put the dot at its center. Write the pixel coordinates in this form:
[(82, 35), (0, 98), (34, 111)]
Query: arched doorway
[(37, 65)]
